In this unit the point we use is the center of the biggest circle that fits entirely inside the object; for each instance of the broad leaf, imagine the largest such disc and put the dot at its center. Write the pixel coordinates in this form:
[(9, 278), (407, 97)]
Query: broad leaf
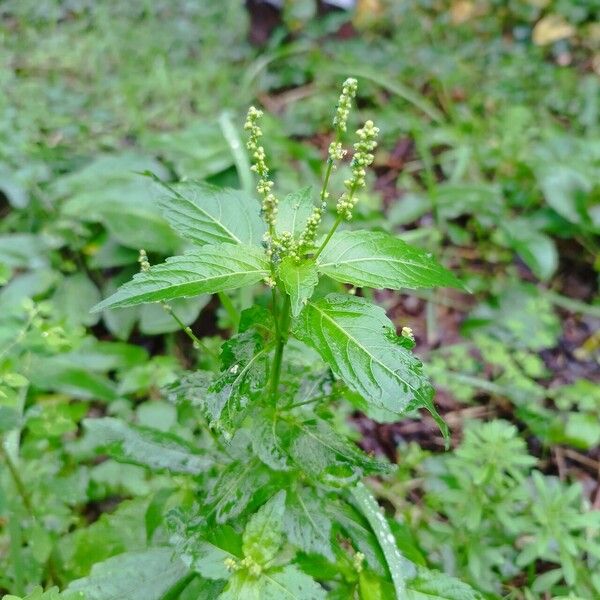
[(293, 212), (146, 575), (147, 447), (380, 260), (232, 491), (306, 522), (432, 585), (567, 191), (288, 583), (324, 454), (299, 281), (264, 532), (52, 594), (204, 551), (206, 214), (205, 271), (110, 190), (359, 343), (266, 444), (245, 365)]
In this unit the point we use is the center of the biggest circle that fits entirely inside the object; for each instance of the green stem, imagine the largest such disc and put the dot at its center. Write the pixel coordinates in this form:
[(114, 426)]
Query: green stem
[(329, 236), (198, 343), (19, 484), (230, 309), (28, 504), (282, 334), (326, 178)]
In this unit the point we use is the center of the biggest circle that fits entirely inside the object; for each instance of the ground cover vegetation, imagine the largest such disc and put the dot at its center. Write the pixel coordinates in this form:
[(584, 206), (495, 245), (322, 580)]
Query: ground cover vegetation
[(340, 344)]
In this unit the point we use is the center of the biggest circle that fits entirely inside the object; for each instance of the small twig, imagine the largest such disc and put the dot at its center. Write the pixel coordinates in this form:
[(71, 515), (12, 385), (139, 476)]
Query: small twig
[(582, 459), (559, 457)]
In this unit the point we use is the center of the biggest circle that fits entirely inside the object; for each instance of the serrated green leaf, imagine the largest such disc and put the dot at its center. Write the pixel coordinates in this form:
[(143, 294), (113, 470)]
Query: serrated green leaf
[(263, 534), (234, 488), (307, 524), (204, 551), (358, 341), (146, 575), (266, 443), (324, 454), (299, 281), (245, 365), (432, 585), (146, 447), (52, 594), (380, 260), (293, 212), (288, 583), (205, 271), (206, 214)]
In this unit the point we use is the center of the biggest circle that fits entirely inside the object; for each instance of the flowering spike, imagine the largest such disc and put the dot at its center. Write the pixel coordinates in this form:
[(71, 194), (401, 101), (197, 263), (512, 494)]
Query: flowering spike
[(363, 157), (344, 104), (143, 260), (257, 153)]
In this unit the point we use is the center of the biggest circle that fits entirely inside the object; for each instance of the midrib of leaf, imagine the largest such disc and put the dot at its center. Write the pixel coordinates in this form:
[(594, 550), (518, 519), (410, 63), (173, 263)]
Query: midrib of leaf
[(380, 259), (250, 465), (203, 211), (309, 517), (245, 369), (289, 594), (372, 358), (264, 526), (321, 441), (205, 279)]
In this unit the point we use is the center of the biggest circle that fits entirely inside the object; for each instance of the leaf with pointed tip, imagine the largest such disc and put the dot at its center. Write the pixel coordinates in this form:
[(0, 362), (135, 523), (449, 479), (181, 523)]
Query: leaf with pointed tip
[(293, 211), (380, 260), (203, 549), (359, 343), (206, 214), (299, 280), (324, 454), (207, 270), (266, 443), (146, 575), (157, 450), (263, 534), (235, 487), (245, 362), (307, 524)]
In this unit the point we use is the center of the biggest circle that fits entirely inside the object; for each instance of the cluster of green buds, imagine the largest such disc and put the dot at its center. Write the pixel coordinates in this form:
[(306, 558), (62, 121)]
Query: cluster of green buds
[(349, 89), (363, 157), (283, 245), (265, 185), (340, 121), (246, 563), (143, 260)]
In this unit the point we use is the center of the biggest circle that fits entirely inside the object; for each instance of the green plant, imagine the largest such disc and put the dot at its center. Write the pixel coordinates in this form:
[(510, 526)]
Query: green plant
[(498, 520), (278, 506)]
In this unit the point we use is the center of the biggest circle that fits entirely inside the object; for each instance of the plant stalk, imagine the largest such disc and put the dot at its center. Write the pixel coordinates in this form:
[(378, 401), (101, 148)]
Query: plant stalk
[(329, 236), (282, 335)]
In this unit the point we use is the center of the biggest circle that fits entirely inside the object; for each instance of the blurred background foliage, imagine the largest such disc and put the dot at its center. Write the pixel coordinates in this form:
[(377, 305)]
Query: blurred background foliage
[(490, 157)]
